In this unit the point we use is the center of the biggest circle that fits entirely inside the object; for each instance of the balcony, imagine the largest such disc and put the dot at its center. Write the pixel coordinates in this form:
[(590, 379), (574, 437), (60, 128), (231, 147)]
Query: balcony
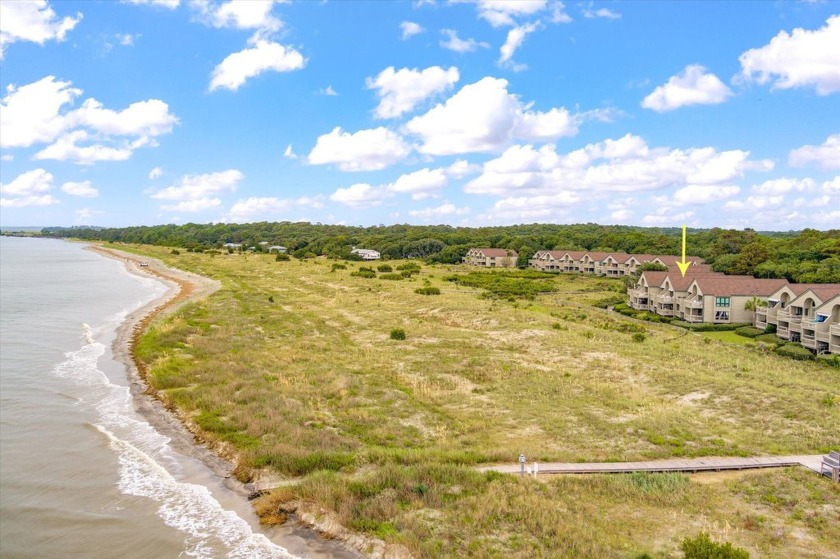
[(665, 310), (808, 339), (693, 317), (665, 299), (693, 304), (782, 331)]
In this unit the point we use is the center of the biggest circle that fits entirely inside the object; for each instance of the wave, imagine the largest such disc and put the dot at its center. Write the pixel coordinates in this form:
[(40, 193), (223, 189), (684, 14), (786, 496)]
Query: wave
[(149, 468)]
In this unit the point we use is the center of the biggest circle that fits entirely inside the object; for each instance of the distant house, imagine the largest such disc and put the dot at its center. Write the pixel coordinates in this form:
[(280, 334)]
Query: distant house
[(232, 245), (491, 257), (277, 248), (366, 253)]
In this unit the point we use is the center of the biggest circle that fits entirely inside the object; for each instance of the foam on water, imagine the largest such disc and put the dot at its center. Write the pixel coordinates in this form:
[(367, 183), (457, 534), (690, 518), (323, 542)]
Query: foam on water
[(148, 467)]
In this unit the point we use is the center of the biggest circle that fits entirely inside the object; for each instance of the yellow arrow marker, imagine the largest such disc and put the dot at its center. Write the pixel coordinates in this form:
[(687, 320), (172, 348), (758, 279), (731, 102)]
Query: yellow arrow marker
[(683, 266)]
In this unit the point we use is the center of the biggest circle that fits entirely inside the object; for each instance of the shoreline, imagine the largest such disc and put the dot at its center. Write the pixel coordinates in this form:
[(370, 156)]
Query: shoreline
[(299, 538)]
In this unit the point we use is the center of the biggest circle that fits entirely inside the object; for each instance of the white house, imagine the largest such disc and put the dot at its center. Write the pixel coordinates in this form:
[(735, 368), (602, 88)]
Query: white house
[(366, 253)]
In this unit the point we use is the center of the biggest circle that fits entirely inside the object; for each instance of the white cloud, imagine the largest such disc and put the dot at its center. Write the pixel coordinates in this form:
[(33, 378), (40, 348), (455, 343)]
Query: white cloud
[(499, 13), (240, 14), (28, 189), (692, 86), (7, 157), (156, 173), (196, 193), (32, 114), (591, 13), (784, 186), (440, 211), (264, 55), (664, 216), (361, 195), (244, 210), (399, 91), (826, 155), (704, 194), (623, 165), (366, 150), (455, 44), (462, 168), (126, 39), (329, 91), (421, 184), (289, 153), (522, 209), (34, 21), (85, 214), (802, 58), (558, 13), (193, 206), (83, 189), (514, 40), (410, 29), (484, 117), (832, 186), (752, 203), (170, 4)]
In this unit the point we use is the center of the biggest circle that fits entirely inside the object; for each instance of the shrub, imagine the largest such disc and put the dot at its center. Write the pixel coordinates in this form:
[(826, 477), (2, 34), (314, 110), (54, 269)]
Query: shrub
[(175, 251), (770, 329), (282, 257), (397, 334), (391, 276), (702, 547), (795, 351), (621, 307), (769, 339), (830, 360), (339, 267), (408, 266), (639, 337), (364, 274), (427, 291), (611, 301), (749, 331), (384, 268)]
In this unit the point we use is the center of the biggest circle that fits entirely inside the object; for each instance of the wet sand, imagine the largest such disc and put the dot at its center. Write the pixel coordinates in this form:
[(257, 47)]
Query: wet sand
[(184, 287)]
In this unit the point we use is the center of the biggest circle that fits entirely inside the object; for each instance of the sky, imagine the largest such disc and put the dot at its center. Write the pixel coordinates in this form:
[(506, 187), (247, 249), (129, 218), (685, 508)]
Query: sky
[(467, 113)]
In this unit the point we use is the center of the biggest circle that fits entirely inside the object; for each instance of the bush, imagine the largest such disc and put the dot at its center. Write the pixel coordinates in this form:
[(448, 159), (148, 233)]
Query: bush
[(427, 291), (749, 331), (175, 251), (384, 268), (364, 274), (409, 266), (795, 351), (830, 360), (397, 334), (769, 339), (338, 267), (639, 337), (391, 276), (282, 257), (770, 329), (612, 301), (702, 547)]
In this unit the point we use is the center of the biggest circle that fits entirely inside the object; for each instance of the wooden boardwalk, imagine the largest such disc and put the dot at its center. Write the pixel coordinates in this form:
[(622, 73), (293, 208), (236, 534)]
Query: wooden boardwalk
[(706, 464)]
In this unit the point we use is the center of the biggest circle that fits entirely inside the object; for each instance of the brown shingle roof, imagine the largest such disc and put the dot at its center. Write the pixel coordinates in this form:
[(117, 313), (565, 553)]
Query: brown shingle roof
[(727, 286), (823, 291), (497, 252)]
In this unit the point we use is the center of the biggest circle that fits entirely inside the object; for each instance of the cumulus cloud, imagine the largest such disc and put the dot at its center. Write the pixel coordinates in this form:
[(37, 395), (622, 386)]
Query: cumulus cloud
[(366, 150), (28, 189), (399, 91), (421, 184), (776, 187), (361, 195), (624, 165), (247, 209), (289, 153), (802, 58), (704, 194), (155, 173), (514, 40), (170, 4), (250, 14), (522, 209), (606, 13), (83, 189), (453, 43), (461, 168), (34, 21), (443, 210), (692, 86), (195, 193), (501, 13), (33, 114), (84, 214), (410, 29), (329, 91), (484, 117), (826, 155), (264, 55)]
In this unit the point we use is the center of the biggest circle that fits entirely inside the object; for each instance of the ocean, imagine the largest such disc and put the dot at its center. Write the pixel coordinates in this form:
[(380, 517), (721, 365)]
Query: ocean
[(82, 474)]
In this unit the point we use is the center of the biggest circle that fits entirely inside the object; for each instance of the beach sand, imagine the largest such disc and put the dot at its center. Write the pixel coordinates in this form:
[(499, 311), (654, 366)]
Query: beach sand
[(183, 287)]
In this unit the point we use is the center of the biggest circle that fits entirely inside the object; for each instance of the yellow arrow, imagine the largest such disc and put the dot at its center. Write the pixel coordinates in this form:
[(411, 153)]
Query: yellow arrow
[(683, 266)]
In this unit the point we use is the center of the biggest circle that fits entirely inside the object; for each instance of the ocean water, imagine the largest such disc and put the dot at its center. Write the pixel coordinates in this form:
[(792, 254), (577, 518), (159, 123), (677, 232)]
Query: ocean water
[(81, 473)]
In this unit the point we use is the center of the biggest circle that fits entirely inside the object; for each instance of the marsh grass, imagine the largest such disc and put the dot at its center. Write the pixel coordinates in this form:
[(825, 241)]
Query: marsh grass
[(311, 386)]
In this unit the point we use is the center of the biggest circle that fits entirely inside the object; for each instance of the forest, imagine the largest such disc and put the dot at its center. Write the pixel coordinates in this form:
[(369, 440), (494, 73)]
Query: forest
[(807, 256)]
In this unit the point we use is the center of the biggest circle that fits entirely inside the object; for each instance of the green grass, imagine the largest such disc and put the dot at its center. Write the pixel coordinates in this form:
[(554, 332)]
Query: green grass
[(729, 337), (386, 433)]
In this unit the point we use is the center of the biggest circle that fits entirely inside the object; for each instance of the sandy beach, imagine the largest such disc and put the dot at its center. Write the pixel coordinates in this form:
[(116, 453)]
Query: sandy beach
[(183, 287)]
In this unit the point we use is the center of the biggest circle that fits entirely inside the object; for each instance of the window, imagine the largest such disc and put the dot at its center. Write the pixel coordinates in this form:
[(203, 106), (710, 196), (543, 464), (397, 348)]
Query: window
[(721, 301), (721, 316)]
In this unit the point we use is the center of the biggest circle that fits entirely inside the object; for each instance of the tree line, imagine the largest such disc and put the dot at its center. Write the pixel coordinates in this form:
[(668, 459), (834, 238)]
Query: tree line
[(807, 256)]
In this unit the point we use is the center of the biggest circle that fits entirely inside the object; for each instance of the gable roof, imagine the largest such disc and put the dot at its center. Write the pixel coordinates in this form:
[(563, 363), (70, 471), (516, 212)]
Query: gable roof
[(491, 252), (821, 291), (727, 286)]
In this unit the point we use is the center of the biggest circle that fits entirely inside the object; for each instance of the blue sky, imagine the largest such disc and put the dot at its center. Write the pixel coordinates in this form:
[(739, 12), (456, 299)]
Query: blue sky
[(476, 113)]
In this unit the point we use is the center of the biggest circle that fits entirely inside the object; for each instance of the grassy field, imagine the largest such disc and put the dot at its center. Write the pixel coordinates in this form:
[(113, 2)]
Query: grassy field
[(290, 367)]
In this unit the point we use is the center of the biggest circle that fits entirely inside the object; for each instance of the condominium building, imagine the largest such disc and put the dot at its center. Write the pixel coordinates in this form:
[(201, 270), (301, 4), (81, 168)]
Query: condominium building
[(491, 257)]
